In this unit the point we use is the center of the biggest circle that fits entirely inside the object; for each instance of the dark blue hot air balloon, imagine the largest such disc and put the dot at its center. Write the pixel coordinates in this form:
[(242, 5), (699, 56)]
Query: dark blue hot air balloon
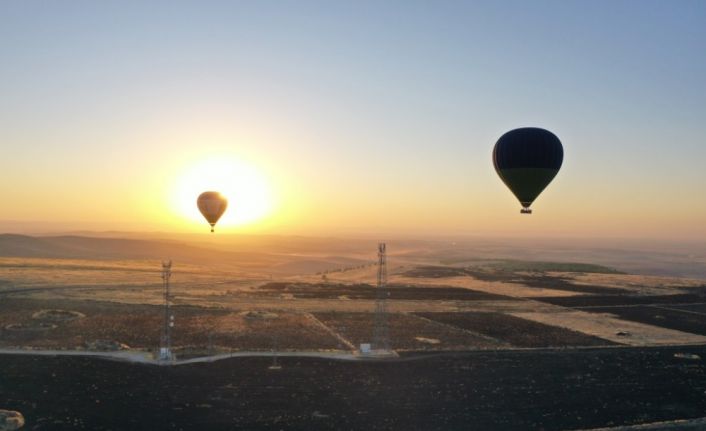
[(527, 159)]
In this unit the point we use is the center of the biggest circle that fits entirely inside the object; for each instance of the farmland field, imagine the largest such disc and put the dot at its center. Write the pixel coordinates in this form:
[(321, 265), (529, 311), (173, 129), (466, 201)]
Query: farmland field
[(471, 344), (516, 331)]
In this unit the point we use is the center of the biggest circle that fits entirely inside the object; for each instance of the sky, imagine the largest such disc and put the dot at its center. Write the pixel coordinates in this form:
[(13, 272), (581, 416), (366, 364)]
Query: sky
[(351, 117)]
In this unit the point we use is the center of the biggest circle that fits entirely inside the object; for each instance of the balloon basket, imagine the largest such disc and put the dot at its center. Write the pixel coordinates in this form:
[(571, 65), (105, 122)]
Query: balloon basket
[(525, 211)]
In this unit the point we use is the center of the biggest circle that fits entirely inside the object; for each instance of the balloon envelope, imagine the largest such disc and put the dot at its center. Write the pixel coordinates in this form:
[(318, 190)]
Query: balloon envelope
[(527, 160), (212, 205)]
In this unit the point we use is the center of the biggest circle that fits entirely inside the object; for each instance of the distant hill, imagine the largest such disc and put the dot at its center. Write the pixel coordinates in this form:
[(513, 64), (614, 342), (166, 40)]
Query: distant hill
[(81, 247), (291, 254)]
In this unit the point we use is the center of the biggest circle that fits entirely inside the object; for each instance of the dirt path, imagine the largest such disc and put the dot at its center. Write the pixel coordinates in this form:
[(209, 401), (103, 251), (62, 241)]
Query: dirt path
[(685, 424), (145, 358), (333, 333), (608, 327)]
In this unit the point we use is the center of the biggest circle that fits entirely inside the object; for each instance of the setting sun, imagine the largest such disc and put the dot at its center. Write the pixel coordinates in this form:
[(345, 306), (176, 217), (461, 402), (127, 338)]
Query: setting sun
[(245, 187)]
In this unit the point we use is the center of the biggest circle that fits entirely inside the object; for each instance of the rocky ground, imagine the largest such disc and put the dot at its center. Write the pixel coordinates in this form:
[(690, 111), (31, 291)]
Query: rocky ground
[(508, 390)]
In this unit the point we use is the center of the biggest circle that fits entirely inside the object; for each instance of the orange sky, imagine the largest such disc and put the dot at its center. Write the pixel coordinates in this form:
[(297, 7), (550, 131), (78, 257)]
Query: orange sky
[(342, 120)]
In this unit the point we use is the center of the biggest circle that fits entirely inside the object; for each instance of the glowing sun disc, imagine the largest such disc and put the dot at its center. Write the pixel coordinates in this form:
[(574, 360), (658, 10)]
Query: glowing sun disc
[(243, 185)]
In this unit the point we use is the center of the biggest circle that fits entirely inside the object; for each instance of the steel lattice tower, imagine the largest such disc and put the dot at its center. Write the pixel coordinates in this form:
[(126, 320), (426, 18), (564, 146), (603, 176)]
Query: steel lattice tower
[(381, 333), (165, 352)]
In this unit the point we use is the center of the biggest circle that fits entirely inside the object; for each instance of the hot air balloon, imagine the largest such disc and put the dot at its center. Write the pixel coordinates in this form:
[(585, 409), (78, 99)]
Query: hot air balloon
[(212, 205), (527, 159)]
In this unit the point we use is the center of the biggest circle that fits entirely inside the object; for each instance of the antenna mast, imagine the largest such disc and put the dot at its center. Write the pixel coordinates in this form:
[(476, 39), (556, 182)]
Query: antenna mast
[(381, 334), (165, 351)]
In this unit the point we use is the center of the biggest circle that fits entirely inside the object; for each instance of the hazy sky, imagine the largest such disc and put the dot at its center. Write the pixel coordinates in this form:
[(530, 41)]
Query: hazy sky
[(361, 116)]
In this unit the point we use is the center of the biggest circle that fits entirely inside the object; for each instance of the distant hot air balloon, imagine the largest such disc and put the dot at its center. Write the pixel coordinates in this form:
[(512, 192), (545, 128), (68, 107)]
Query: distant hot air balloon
[(527, 160), (212, 205)]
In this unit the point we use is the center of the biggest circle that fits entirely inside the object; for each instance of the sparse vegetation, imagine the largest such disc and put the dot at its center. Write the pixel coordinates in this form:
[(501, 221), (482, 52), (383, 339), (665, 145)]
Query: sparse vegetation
[(366, 291), (516, 331), (536, 266), (558, 390), (57, 315), (514, 265), (407, 332)]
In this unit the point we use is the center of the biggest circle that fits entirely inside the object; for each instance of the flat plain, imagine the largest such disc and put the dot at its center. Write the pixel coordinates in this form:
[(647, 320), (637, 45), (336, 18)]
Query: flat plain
[(471, 338)]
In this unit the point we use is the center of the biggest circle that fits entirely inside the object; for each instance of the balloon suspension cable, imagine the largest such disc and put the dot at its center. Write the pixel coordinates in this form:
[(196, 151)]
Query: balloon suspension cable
[(212, 226)]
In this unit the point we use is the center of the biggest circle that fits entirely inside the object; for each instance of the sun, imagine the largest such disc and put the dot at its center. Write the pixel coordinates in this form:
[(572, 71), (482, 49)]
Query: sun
[(245, 187)]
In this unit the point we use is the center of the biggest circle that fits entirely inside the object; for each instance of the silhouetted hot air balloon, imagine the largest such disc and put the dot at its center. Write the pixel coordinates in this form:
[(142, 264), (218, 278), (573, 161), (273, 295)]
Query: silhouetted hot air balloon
[(527, 160), (212, 205)]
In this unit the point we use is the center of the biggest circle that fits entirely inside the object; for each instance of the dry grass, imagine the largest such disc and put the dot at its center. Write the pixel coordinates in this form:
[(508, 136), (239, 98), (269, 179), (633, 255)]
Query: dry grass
[(406, 332)]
